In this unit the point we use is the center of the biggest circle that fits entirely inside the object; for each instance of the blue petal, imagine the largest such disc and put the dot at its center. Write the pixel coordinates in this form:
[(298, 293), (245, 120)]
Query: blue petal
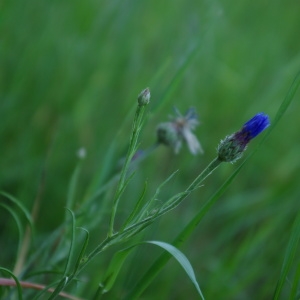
[(256, 125)]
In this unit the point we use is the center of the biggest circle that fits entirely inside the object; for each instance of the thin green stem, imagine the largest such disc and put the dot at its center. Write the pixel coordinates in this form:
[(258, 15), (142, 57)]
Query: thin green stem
[(195, 184), (130, 231), (204, 174), (131, 150)]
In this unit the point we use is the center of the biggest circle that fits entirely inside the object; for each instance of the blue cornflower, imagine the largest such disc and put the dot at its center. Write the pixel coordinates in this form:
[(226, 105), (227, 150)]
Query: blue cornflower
[(256, 125), (233, 146)]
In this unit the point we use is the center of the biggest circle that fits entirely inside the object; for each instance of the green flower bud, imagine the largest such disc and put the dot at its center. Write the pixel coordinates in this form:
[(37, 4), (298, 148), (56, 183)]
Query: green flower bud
[(232, 147), (144, 97)]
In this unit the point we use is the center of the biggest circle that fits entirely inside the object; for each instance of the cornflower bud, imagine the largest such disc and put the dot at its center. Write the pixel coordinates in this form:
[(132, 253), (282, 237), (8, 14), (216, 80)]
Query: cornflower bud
[(232, 147), (144, 97)]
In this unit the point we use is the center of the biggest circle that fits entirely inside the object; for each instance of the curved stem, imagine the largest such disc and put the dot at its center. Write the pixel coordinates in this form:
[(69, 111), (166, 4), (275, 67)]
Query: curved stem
[(31, 285)]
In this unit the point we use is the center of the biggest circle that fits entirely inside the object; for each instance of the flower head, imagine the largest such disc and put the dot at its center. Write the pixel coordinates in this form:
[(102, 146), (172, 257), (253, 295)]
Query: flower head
[(144, 97), (233, 146), (179, 130)]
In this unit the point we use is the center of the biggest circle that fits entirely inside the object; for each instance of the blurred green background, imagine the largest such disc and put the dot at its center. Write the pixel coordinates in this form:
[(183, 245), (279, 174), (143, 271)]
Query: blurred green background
[(70, 75)]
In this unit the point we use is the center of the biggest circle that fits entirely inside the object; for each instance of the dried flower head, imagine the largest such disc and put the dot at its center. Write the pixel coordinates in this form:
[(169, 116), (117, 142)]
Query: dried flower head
[(233, 146), (179, 130)]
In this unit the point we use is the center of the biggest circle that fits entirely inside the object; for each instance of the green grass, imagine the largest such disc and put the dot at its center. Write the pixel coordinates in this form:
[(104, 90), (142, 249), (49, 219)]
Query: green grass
[(70, 75)]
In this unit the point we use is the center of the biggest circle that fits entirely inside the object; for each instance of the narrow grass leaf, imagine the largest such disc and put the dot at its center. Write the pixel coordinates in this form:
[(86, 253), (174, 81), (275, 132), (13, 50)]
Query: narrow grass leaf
[(82, 251), (126, 182), (182, 260), (45, 290), (43, 248), (19, 288), (166, 97), (96, 186), (71, 250), (120, 257), (20, 206), (147, 206), (293, 294), (98, 293), (19, 225), (136, 230), (288, 99), (114, 269), (61, 284), (289, 257), (136, 208), (72, 187)]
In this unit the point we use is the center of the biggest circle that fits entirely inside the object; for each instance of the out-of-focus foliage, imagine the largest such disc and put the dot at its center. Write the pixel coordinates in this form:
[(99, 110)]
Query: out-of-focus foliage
[(70, 72)]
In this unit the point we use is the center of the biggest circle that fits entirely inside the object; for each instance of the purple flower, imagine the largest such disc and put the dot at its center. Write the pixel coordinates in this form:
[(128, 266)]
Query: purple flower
[(233, 146)]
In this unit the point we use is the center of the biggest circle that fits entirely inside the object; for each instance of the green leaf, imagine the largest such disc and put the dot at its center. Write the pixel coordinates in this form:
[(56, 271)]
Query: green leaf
[(20, 206), (96, 188), (19, 288), (71, 250), (136, 208), (147, 206), (72, 187), (18, 222), (43, 249), (82, 251), (289, 257), (182, 260), (287, 100), (295, 285), (120, 257), (114, 269), (59, 288)]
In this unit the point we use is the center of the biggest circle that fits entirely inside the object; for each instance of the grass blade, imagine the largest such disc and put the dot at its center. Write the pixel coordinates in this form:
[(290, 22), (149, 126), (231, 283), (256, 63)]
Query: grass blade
[(296, 281), (288, 99), (19, 225), (19, 288), (82, 251), (65, 280), (20, 206), (96, 187), (147, 206), (114, 269), (175, 80), (59, 288), (136, 208), (183, 261), (71, 250), (289, 257), (120, 257), (72, 187)]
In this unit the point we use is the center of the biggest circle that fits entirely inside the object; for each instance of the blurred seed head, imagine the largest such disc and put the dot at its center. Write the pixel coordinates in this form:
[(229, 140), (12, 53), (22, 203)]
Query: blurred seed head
[(81, 153), (179, 130)]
